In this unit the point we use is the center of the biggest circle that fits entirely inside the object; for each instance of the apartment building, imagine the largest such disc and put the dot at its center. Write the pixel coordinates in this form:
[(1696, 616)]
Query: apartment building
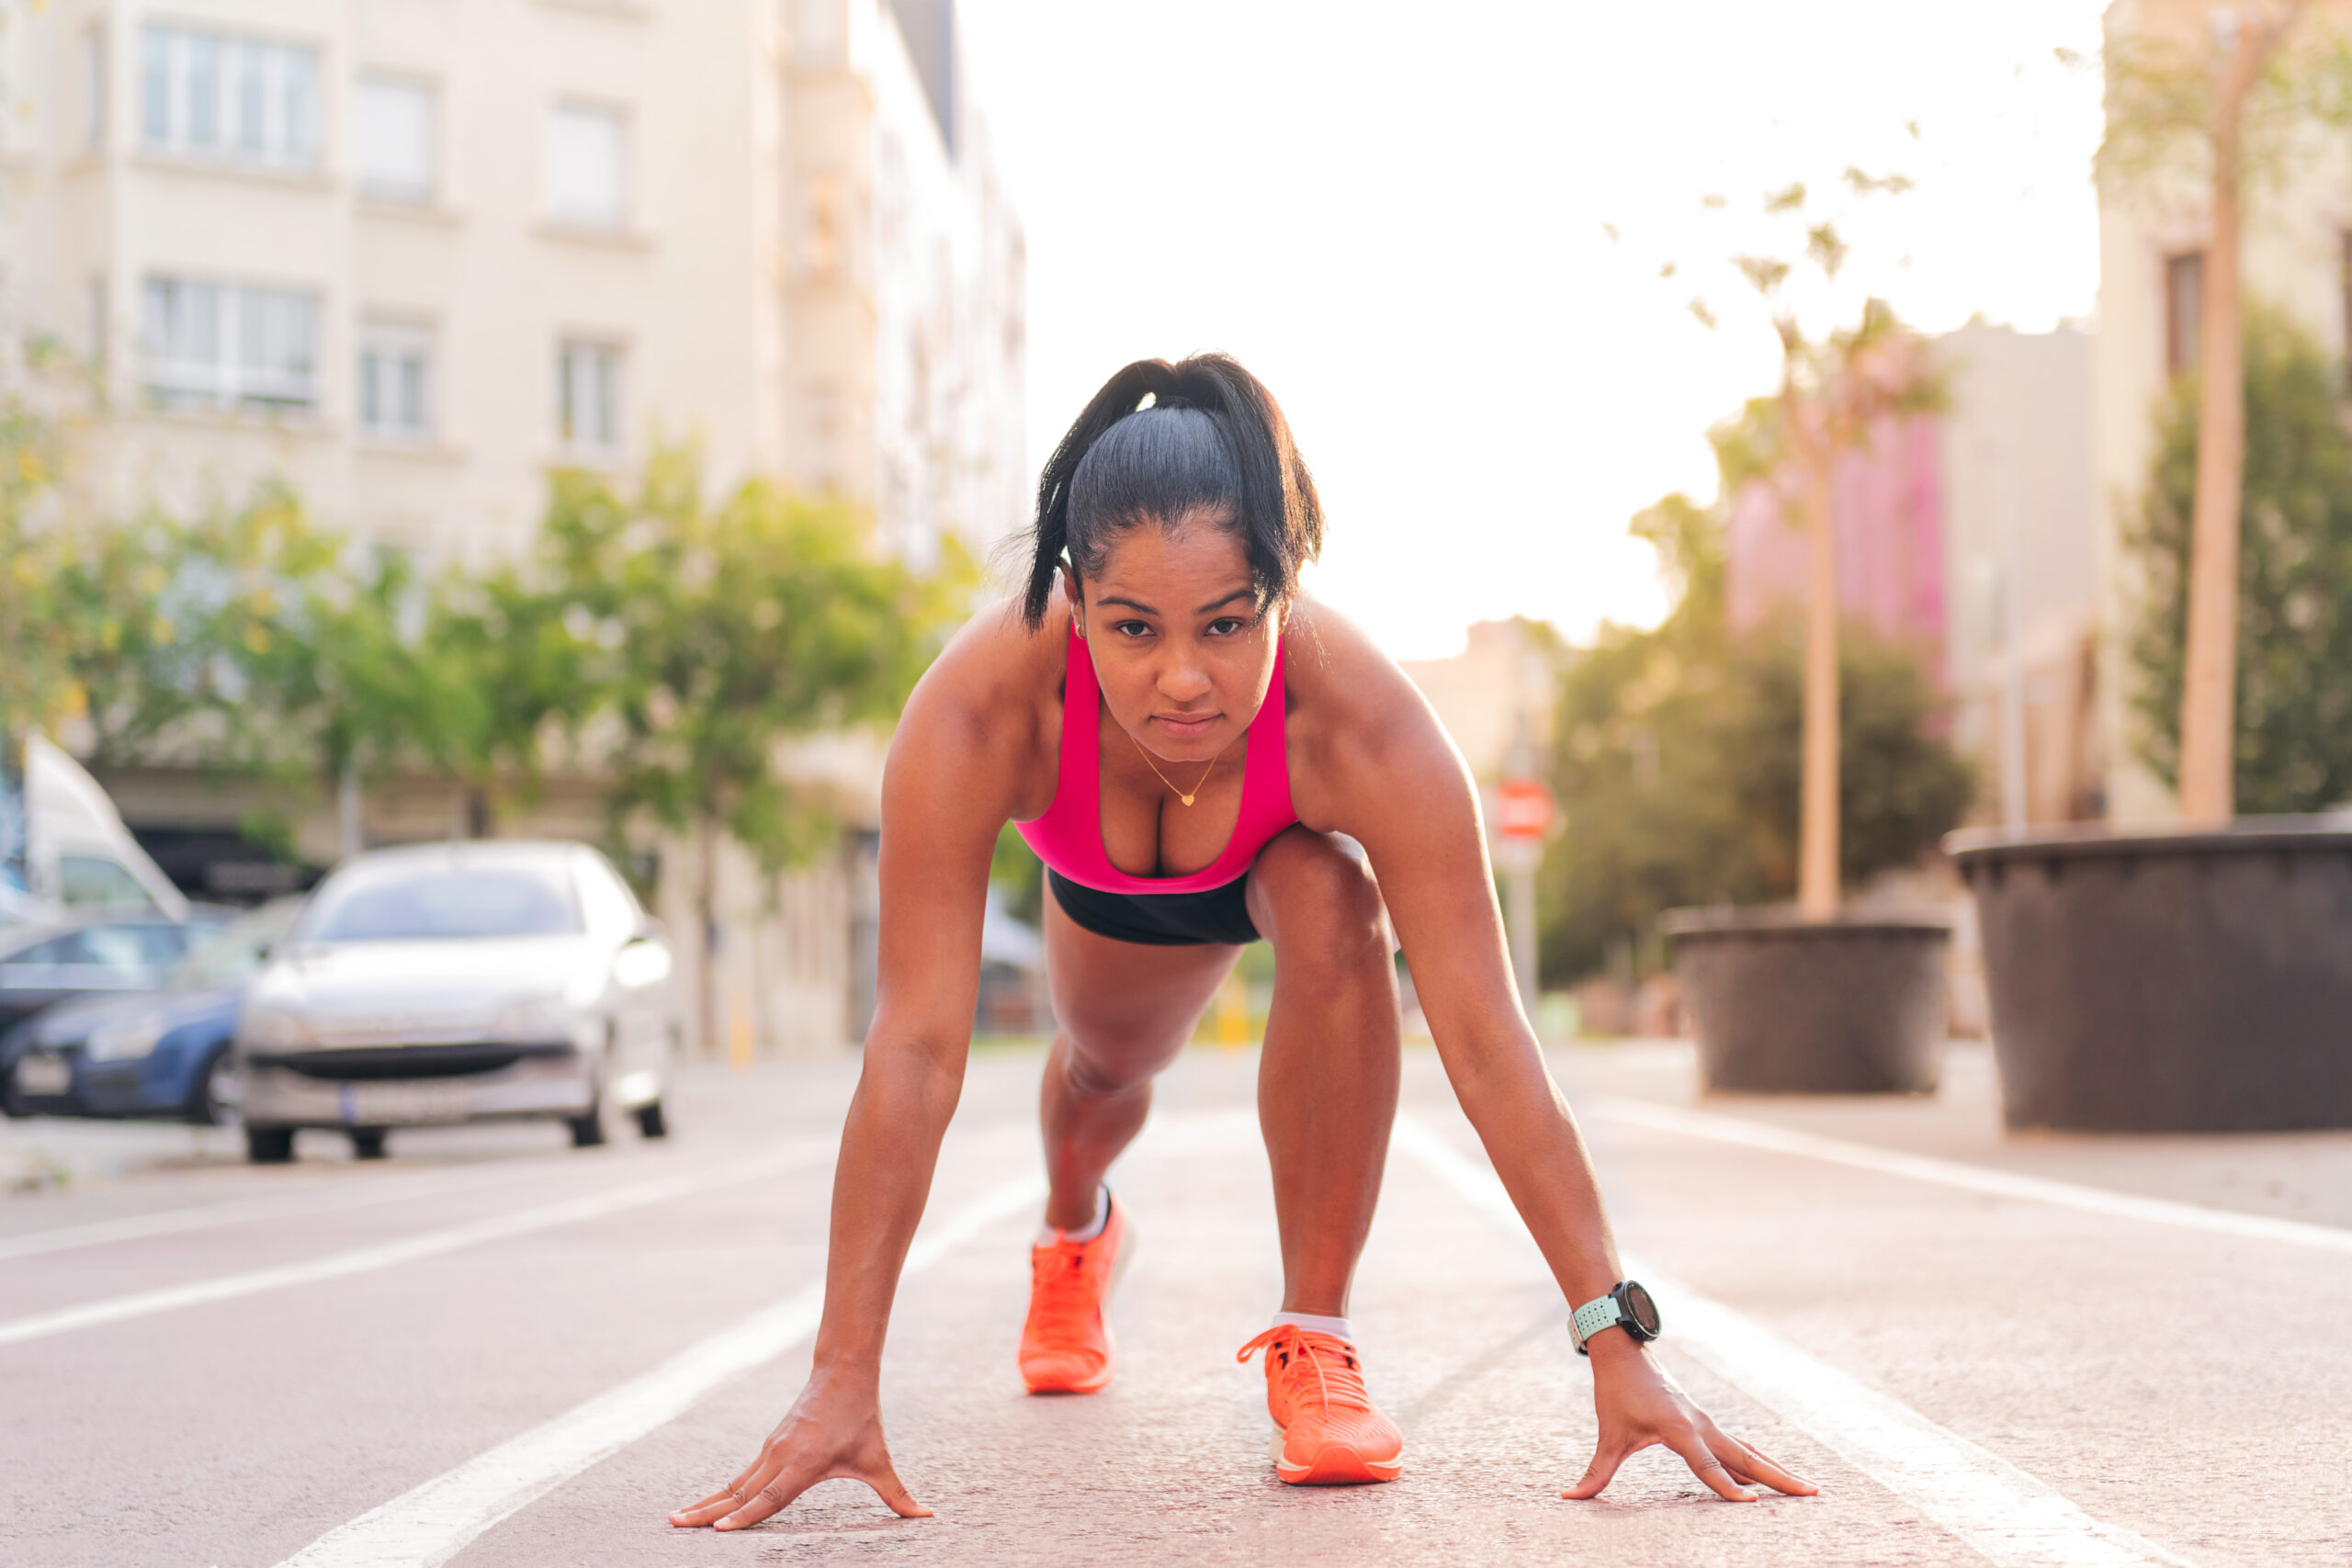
[(2297, 257), (413, 254)]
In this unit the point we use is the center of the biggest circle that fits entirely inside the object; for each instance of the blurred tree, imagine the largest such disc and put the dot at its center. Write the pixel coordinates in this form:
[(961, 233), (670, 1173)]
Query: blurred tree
[(37, 686), (2230, 108), (179, 621), (707, 639), (1678, 757), (1836, 393), (1014, 866), (350, 687), (2293, 697), (145, 627)]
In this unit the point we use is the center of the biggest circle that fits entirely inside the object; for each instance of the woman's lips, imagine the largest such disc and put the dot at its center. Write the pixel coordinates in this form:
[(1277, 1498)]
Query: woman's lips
[(1186, 726)]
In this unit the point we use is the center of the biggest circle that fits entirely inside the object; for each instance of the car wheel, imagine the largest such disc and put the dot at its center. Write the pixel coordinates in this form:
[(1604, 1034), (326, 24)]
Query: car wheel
[(214, 1103), (367, 1143), (651, 1122), (588, 1130), (269, 1146)]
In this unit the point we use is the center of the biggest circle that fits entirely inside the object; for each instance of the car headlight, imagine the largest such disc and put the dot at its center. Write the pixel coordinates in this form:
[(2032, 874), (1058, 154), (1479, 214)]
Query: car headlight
[(124, 1042), (273, 1029), (541, 1018)]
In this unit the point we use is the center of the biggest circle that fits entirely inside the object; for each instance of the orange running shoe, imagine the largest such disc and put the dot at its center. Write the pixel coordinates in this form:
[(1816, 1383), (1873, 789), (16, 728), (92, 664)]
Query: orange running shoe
[(1066, 1344), (1326, 1431)]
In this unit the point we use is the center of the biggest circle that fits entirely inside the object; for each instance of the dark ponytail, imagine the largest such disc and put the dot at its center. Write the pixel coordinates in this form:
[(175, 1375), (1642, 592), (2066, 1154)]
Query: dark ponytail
[(1214, 441)]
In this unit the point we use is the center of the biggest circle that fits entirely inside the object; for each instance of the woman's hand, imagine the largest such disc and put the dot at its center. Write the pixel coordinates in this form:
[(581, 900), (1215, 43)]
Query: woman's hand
[(1640, 1405), (833, 1430)]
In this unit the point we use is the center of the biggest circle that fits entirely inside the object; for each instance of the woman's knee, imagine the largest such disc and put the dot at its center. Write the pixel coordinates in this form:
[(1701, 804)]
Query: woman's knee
[(1096, 1067), (1319, 897)]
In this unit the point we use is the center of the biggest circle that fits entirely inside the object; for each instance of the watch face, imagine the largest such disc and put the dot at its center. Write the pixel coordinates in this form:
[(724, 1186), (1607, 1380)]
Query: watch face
[(1641, 1309)]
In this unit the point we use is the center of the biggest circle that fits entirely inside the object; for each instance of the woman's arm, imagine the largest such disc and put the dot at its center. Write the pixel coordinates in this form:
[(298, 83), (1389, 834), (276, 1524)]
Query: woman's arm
[(951, 783), (1394, 783)]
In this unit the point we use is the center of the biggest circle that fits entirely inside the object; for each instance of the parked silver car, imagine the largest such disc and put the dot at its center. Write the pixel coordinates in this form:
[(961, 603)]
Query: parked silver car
[(459, 982)]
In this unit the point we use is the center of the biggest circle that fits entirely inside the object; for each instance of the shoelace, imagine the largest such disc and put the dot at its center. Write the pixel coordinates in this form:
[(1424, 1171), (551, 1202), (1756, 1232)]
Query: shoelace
[(1061, 1306), (1338, 1380)]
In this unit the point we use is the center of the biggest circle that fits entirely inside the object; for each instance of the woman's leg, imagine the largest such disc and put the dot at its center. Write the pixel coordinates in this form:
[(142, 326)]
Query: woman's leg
[(1125, 1010), (1326, 1080)]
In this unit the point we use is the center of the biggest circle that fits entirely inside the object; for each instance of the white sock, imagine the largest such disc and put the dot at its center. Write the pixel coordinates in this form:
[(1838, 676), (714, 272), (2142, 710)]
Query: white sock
[(1334, 1325), (1087, 1232)]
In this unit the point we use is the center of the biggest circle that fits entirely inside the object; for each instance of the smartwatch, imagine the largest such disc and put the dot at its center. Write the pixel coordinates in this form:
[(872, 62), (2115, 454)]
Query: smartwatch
[(1628, 1307)]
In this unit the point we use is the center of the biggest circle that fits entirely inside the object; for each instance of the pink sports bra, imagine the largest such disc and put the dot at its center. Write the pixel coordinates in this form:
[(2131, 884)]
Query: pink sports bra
[(1069, 837)]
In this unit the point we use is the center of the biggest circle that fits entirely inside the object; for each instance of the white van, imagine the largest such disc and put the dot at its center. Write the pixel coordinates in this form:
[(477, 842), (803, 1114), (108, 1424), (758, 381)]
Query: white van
[(64, 851)]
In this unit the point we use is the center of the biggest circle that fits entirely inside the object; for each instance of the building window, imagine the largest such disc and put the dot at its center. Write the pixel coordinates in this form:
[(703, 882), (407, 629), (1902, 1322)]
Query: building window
[(587, 158), (217, 346), (588, 396), (207, 94), (396, 381), (94, 88), (392, 150), (2184, 309)]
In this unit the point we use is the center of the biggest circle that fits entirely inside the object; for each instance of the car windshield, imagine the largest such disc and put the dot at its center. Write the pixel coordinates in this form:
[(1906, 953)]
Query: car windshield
[(444, 904), (228, 956)]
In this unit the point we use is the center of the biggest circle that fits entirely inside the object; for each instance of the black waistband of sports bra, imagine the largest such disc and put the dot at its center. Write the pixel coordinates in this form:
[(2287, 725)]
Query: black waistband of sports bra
[(1214, 916)]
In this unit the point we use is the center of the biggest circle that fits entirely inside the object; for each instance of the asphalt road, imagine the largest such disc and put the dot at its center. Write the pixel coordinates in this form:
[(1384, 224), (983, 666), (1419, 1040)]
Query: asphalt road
[(493, 1349)]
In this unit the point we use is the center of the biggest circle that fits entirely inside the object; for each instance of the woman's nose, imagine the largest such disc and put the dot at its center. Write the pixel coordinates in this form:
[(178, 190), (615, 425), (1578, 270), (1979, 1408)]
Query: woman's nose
[(1183, 683)]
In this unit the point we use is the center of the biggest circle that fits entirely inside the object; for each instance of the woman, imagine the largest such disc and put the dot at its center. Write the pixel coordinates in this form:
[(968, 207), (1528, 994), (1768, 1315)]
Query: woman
[(1195, 748)]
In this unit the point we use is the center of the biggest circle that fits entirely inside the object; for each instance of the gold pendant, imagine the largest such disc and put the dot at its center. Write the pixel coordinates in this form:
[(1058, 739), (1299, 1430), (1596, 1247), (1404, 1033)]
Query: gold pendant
[(1181, 797)]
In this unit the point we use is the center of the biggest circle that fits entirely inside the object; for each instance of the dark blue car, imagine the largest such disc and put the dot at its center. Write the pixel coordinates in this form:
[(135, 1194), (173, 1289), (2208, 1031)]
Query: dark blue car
[(156, 1053)]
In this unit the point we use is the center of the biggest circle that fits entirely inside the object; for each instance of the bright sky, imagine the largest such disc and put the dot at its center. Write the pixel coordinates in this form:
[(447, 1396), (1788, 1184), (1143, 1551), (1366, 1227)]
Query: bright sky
[(1394, 215)]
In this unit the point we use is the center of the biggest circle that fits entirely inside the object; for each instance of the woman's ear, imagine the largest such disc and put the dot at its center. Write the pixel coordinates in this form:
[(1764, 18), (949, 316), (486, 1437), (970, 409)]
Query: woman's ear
[(1077, 600)]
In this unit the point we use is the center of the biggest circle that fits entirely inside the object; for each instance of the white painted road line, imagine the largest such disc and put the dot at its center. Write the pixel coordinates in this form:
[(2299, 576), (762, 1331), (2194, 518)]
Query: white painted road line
[(1999, 1510), (409, 1250), (433, 1523), (326, 1198), (1973, 1177)]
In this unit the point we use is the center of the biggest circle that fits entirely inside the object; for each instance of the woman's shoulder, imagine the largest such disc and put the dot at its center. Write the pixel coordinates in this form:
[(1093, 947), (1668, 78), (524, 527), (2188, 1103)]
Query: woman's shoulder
[(1330, 663), (994, 672), (1349, 703)]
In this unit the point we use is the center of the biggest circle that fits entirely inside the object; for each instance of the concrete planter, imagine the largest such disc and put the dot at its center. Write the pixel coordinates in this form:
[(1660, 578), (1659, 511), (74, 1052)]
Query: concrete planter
[(2169, 982), (1785, 1005)]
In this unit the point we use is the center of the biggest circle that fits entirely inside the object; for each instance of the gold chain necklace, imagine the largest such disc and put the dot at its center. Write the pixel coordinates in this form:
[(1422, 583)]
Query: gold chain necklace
[(1163, 778)]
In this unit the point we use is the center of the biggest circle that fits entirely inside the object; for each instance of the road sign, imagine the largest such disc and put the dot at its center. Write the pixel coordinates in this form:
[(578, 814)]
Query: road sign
[(1522, 809)]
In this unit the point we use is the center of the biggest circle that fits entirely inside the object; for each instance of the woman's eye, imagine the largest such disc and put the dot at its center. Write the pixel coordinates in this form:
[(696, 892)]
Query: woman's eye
[(1132, 628), (1227, 625)]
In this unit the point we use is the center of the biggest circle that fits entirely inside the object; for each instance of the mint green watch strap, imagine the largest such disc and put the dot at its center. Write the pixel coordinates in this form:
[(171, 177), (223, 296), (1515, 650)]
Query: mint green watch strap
[(1594, 1316)]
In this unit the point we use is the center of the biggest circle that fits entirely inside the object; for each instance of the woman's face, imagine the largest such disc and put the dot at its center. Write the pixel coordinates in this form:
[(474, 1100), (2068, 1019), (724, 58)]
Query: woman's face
[(1181, 649)]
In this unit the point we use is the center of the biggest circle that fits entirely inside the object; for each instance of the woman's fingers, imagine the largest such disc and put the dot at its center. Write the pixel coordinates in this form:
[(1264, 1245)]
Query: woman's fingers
[(711, 1509), (1600, 1473), (775, 1495), (891, 1490), (1691, 1444), (718, 1504), (1752, 1465)]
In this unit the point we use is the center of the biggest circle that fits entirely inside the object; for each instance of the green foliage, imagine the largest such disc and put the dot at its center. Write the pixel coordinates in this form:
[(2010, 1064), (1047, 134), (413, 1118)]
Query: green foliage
[(1677, 759), (2293, 745), (37, 641), (154, 631), (2161, 103), (710, 636), (1014, 866), (675, 646)]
